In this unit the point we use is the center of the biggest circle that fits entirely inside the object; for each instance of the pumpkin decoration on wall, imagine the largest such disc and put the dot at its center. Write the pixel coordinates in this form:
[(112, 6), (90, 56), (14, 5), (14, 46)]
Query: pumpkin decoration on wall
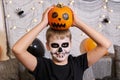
[(60, 17)]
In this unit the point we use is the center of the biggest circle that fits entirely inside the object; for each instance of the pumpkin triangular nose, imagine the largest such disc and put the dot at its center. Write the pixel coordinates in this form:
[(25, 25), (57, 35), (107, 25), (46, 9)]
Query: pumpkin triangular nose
[(59, 19)]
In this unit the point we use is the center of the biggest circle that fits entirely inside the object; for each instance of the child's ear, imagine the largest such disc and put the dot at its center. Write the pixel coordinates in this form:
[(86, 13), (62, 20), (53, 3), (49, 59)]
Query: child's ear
[(47, 46)]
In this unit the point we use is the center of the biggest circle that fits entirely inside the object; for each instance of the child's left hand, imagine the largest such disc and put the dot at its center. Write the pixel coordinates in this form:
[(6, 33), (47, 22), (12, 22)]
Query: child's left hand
[(76, 20)]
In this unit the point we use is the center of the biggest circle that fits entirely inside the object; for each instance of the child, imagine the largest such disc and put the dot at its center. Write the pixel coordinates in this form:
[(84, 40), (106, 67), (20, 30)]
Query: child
[(62, 66)]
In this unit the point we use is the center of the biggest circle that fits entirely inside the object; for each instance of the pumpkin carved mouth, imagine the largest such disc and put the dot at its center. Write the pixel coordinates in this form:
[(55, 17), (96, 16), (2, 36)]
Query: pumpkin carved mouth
[(57, 25)]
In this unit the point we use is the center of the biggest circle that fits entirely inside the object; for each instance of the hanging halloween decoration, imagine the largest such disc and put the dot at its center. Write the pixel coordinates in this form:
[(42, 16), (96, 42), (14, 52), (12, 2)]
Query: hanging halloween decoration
[(60, 17), (87, 45), (20, 12), (36, 48), (105, 20)]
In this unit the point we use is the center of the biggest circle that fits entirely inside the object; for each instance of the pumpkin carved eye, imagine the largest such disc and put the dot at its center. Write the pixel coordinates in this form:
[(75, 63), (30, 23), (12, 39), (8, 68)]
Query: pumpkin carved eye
[(54, 14), (65, 16)]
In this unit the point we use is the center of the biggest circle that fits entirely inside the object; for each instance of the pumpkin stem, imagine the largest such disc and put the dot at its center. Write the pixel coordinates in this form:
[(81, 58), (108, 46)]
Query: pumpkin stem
[(59, 5)]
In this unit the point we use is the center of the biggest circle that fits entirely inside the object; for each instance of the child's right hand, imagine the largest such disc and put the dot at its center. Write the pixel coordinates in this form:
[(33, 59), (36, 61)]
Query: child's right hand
[(45, 16)]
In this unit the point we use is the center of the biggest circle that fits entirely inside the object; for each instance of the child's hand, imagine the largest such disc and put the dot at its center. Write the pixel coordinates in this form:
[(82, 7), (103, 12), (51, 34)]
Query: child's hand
[(45, 15), (75, 20)]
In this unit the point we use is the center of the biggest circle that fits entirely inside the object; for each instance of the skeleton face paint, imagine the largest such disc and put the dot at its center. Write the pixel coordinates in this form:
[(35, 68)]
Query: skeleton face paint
[(60, 48)]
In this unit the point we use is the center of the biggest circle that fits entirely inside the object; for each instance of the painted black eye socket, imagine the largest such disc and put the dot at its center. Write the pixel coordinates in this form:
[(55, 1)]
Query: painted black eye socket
[(64, 45), (54, 15), (65, 16), (54, 45)]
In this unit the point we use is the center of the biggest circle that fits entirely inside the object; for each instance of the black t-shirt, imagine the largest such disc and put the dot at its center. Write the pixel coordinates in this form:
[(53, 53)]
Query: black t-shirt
[(47, 70)]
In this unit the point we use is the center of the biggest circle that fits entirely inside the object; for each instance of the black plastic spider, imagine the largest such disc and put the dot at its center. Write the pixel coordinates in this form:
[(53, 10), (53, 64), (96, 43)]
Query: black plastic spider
[(105, 20), (19, 11)]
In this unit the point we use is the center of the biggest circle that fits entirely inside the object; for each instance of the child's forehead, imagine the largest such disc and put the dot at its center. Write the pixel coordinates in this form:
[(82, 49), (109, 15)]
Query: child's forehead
[(59, 39)]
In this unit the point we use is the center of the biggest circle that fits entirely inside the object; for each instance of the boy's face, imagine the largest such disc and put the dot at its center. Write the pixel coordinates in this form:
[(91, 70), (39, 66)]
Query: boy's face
[(60, 48)]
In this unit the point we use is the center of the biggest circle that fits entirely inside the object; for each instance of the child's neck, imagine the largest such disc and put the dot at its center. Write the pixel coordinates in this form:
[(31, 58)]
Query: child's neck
[(61, 63)]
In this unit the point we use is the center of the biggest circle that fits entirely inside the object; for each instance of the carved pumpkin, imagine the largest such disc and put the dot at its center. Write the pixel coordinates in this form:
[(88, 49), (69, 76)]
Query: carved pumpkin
[(60, 17)]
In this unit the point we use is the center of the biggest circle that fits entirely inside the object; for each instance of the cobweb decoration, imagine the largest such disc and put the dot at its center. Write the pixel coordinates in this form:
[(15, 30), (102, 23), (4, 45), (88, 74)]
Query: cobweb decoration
[(92, 12)]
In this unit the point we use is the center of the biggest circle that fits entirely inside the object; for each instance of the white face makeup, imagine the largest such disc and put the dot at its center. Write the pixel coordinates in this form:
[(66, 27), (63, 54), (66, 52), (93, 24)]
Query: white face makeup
[(60, 48)]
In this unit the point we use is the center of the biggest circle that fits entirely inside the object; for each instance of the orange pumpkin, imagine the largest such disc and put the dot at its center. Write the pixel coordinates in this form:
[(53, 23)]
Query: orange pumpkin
[(60, 17)]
